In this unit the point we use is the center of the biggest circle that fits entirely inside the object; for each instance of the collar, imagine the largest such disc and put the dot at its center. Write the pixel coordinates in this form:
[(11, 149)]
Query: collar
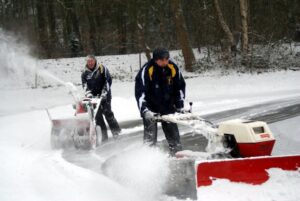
[(93, 70)]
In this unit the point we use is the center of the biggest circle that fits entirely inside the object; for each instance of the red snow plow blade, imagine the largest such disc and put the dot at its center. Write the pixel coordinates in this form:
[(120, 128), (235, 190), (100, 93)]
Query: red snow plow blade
[(245, 170)]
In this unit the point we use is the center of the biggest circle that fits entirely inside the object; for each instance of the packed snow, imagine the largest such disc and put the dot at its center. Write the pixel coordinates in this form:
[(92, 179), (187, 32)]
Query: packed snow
[(31, 170)]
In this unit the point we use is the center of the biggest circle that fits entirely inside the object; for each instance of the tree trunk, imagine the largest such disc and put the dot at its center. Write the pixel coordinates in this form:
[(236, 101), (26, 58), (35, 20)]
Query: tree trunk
[(53, 42), (42, 28), (182, 35), (76, 36), (140, 20), (142, 41), (244, 18), (71, 28), (223, 23), (121, 28), (227, 45), (92, 47)]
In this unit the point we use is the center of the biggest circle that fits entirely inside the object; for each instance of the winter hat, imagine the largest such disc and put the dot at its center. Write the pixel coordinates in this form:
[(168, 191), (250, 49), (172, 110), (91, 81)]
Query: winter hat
[(160, 53), (90, 56)]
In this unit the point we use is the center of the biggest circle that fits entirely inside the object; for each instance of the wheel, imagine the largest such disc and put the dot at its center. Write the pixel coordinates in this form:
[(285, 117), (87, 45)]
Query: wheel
[(60, 138), (54, 138), (81, 138)]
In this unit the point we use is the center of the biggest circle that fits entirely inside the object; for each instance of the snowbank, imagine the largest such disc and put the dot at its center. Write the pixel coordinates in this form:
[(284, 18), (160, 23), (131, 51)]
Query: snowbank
[(32, 171)]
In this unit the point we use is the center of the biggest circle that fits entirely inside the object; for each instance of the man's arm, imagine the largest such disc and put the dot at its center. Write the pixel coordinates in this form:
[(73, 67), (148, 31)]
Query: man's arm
[(84, 81), (141, 83), (179, 84), (107, 81)]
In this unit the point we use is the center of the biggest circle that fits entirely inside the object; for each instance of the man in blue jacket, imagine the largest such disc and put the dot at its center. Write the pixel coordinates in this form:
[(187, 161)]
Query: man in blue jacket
[(96, 81), (160, 89)]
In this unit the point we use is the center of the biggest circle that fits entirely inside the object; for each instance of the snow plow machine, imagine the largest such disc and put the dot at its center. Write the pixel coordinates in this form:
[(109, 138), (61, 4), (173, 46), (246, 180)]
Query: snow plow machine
[(79, 130), (237, 150)]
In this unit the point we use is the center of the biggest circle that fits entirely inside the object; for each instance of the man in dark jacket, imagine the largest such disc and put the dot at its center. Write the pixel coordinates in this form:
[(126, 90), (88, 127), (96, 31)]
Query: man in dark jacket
[(160, 89), (96, 81)]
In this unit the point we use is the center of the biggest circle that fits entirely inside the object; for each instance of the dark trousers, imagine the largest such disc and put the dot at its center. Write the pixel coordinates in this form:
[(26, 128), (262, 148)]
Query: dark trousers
[(105, 110), (171, 133)]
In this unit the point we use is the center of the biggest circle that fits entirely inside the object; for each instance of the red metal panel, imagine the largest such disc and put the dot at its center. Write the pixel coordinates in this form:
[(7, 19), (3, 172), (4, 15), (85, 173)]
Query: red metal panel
[(246, 170), (70, 122), (80, 109), (256, 149)]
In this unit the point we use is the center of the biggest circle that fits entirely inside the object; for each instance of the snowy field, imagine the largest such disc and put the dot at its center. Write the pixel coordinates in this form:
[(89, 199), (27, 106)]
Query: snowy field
[(31, 170), (39, 173)]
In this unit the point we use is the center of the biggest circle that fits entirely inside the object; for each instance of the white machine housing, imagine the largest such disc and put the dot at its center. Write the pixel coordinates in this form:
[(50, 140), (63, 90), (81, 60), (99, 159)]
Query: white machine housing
[(249, 138)]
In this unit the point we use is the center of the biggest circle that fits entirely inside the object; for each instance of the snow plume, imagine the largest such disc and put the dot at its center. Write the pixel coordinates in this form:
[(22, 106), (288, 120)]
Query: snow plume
[(214, 144), (199, 126), (17, 67), (145, 171)]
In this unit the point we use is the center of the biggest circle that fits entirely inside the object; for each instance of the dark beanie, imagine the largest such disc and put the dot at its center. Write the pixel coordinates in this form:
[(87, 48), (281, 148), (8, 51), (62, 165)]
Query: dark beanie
[(161, 53)]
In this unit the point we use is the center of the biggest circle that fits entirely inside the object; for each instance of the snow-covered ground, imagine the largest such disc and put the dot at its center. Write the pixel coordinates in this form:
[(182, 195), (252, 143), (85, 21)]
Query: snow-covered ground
[(31, 170)]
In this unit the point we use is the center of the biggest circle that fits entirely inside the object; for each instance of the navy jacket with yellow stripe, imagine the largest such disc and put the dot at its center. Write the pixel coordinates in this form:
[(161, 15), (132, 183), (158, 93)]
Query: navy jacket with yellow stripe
[(159, 89), (98, 80)]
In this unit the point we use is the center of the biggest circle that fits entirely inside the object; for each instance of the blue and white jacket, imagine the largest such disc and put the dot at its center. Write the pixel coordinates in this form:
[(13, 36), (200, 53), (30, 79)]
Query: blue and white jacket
[(159, 89), (98, 80)]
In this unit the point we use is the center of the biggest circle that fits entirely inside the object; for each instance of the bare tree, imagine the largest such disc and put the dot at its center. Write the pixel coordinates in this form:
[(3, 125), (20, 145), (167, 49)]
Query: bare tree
[(223, 23), (42, 28), (142, 41), (244, 18), (182, 35), (53, 38), (91, 45), (60, 28)]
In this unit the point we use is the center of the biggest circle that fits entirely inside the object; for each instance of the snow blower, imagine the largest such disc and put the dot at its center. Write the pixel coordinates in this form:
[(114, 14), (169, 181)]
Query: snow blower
[(237, 150), (251, 142), (79, 130)]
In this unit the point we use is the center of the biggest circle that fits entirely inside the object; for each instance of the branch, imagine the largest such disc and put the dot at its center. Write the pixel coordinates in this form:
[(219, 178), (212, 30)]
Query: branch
[(63, 5)]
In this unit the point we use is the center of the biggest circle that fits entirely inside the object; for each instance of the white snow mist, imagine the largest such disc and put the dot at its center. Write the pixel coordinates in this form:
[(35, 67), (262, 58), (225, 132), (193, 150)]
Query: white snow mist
[(144, 171), (18, 69)]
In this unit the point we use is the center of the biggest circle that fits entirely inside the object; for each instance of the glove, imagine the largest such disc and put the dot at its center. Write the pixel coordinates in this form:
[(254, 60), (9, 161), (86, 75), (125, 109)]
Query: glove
[(88, 94), (181, 110), (103, 97), (150, 116)]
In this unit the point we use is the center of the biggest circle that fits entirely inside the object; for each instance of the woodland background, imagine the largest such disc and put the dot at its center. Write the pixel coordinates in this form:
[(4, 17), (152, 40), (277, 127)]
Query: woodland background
[(235, 30)]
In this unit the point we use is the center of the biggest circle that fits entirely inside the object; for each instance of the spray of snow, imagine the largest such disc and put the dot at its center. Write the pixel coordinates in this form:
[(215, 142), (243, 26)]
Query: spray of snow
[(144, 171), (199, 126), (32, 171), (214, 139), (18, 69), (73, 91)]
